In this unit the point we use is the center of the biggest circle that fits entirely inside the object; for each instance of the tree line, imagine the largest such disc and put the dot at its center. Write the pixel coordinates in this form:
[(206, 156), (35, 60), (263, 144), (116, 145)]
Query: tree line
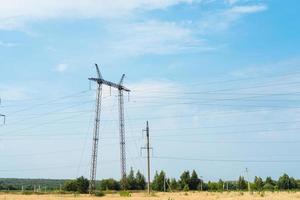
[(30, 184), (190, 181), (136, 181)]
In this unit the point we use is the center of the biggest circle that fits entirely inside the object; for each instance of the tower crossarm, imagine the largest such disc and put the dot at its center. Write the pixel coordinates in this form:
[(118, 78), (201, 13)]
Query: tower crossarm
[(108, 83)]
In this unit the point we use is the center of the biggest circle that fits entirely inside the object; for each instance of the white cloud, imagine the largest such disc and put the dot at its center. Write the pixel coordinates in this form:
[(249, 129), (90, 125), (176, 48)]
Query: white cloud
[(7, 44), (167, 37), (249, 72), (128, 37), (61, 67), (231, 2), (156, 37), (225, 18), (14, 13), (246, 9)]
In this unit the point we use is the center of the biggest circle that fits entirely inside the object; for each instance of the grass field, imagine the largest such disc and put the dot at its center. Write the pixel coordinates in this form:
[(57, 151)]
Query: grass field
[(163, 196)]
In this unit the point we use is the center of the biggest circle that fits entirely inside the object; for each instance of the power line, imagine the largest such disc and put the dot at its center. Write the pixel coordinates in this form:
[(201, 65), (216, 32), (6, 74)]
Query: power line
[(230, 125), (280, 76), (225, 160), (244, 95), (214, 105), (38, 169), (229, 142), (55, 111), (227, 89), (40, 153), (54, 167), (227, 133), (84, 146), (49, 102), (62, 120), (42, 124)]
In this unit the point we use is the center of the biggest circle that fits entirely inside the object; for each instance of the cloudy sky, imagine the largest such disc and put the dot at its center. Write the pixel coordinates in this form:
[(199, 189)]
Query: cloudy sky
[(218, 81)]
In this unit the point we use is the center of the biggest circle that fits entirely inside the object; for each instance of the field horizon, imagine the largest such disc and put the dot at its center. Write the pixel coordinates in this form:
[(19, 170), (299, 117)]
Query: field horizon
[(164, 196)]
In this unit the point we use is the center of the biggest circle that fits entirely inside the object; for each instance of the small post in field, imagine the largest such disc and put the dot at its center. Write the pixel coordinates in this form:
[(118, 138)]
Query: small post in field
[(249, 188)]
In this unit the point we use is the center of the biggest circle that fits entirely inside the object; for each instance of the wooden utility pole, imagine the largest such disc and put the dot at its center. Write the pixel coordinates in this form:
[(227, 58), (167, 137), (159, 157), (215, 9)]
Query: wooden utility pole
[(148, 155)]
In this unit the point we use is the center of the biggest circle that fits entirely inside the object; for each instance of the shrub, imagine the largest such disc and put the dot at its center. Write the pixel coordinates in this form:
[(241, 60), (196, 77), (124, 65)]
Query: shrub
[(268, 187), (110, 184), (186, 188), (99, 194), (80, 185), (70, 186), (27, 192), (125, 194)]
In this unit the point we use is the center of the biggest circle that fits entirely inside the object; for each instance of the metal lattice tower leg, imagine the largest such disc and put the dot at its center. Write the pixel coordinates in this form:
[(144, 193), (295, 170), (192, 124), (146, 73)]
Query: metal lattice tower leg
[(95, 141), (122, 135)]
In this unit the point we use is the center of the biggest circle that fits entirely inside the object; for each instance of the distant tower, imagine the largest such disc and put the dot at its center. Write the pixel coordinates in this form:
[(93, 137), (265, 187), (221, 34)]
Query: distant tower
[(100, 81), (1, 115)]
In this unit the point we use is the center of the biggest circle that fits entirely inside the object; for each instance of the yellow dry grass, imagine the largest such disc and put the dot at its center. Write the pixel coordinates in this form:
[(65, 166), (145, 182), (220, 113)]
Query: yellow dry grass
[(164, 196)]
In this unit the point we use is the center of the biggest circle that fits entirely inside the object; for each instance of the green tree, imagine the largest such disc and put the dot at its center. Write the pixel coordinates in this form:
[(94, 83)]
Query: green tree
[(242, 185), (258, 183), (194, 181), (298, 184), (212, 186), (70, 186), (232, 185), (284, 182), (186, 188), (109, 184), (269, 181), (124, 183), (268, 187), (140, 181), (185, 179), (158, 181), (173, 184), (131, 181), (82, 185), (293, 183), (221, 185)]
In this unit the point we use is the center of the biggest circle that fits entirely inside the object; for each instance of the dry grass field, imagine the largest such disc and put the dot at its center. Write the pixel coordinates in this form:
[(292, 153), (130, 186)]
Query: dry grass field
[(163, 196)]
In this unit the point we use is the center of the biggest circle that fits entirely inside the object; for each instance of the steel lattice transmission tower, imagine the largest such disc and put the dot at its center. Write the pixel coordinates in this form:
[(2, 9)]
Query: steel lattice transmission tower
[(100, 81), (122, 128)]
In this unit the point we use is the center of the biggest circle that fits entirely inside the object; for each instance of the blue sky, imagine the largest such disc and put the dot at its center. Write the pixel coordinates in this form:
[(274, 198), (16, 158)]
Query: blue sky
[(217, 80)]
